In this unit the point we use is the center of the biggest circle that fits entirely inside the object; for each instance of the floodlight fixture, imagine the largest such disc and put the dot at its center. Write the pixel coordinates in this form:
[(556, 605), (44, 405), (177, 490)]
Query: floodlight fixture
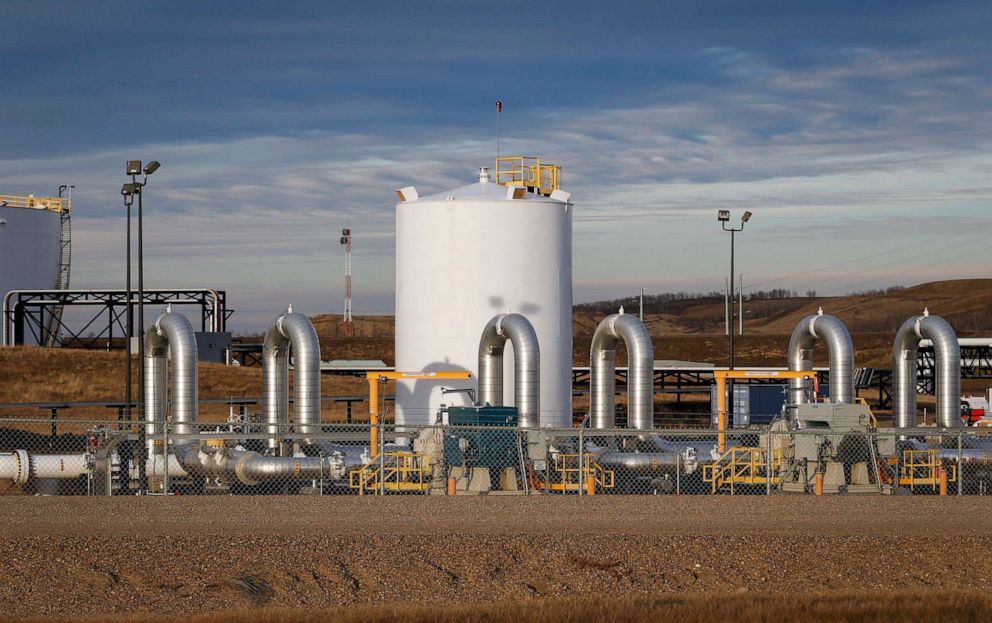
[(723, 215), (131, 188), (133, 167), (151, 167), (746, 217)]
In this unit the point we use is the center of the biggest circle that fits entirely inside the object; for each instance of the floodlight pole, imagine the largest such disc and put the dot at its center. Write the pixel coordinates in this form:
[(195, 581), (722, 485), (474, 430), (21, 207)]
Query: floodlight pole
[(129, 329), (142, 449), (137, 188), (730, 332)]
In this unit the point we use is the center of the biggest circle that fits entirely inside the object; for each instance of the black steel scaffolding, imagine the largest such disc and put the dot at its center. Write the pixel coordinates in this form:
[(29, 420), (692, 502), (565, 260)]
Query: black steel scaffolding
[(29, 316)]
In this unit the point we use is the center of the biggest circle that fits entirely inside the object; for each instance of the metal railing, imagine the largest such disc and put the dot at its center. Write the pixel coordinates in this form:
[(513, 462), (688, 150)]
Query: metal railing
[(528, 172), (53, 204), (743, 466)]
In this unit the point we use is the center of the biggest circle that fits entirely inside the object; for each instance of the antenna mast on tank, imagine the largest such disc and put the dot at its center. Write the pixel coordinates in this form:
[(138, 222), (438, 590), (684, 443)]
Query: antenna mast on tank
[(499, 111), (346, 241)]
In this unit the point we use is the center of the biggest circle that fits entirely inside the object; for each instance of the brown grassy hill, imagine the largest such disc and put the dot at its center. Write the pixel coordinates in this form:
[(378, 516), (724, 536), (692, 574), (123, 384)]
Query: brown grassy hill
[(33, 374), (694, 333), (965, 303)]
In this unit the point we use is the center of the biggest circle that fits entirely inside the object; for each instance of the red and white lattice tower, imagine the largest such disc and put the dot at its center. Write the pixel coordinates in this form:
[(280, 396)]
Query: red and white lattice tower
[(346, 241)]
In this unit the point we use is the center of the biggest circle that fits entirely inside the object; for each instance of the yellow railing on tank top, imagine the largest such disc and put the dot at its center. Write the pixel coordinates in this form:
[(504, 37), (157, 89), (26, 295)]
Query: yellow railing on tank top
[(54, 204), (528, 172)]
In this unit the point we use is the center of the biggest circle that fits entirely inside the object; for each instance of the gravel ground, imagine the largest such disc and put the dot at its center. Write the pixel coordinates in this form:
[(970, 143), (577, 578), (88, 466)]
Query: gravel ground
[(69, 557)]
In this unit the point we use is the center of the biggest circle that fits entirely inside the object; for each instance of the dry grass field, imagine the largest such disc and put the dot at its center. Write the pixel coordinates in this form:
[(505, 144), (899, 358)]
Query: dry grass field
[(33, 374)]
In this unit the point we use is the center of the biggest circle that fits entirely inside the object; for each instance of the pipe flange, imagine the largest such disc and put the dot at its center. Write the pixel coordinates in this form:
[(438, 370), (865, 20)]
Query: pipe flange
[(22, 466)]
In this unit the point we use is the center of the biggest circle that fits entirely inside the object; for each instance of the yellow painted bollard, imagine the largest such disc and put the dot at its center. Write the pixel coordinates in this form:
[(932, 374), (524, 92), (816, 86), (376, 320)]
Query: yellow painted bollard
[(818, 490), (451, 486), (942, 479), (590, 485)]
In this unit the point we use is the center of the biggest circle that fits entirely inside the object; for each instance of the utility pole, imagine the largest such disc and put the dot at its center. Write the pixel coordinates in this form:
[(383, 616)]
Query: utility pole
[(346, 241)]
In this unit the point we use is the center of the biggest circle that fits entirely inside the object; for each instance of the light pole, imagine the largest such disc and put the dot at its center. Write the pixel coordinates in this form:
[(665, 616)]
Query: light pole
[(128, 192), (724, 217), (133, 168)]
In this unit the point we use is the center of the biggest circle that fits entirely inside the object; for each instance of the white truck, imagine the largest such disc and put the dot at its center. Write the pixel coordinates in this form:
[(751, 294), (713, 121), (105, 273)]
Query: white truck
[(976, 411)]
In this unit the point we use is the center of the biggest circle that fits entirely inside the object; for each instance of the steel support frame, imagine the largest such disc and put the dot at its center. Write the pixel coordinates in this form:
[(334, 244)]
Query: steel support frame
[(30, 313)]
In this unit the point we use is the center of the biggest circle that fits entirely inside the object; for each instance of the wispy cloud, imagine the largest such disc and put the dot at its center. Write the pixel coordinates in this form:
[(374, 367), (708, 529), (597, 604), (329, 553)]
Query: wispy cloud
[(837, 147)]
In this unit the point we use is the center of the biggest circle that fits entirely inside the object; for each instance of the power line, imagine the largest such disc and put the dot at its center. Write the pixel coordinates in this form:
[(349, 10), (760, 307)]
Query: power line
[(924, 254), (828, 267)]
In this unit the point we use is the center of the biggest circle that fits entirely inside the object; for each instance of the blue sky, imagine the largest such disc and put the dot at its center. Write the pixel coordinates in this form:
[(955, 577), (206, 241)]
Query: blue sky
[(857, 132)]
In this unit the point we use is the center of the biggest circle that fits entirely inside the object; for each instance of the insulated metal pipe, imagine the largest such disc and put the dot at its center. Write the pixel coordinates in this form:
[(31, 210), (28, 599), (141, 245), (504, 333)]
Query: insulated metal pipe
[(171, 331), (252, 468), (526, 366), (653, 461), (947, 372), (640, 372), (19, 466), (840, 349), (294, 331), (58, 466)]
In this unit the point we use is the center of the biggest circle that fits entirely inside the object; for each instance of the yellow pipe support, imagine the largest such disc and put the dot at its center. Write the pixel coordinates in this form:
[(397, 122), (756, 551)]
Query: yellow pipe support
[(721, 376), (373, 415), (590, 485), (721, 413), (374, 378)]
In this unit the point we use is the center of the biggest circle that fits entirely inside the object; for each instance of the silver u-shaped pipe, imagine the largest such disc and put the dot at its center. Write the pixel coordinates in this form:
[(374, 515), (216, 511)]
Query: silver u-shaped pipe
[(640, 372), (947, 375), (294, 331), (840, 349), (170, 331), (173, 331), (526, 366)]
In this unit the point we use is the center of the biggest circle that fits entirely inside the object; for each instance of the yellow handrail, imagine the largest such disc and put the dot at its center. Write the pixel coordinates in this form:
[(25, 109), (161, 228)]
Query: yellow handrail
[(528, 172), (399, 471), (573, 476), (54, 204), (921, 468), (742, 466)]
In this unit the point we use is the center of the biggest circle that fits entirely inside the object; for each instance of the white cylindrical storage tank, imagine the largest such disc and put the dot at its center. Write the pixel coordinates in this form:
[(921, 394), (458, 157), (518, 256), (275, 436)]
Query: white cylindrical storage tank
[(29, 248), (463, 256)]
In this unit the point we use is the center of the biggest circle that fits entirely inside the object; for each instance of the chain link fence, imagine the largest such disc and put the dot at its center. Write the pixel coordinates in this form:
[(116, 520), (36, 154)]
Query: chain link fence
[(245, 456)]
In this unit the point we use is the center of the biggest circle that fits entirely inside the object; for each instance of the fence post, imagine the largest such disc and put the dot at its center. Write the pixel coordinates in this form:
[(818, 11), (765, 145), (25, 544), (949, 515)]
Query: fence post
[(960, 462), (320, 492), (768, 463), (165, 454), (582, 457), (382, 458)]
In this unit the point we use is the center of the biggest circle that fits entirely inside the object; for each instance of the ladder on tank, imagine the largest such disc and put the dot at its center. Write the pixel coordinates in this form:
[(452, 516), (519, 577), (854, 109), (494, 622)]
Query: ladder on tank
[(54, 322)]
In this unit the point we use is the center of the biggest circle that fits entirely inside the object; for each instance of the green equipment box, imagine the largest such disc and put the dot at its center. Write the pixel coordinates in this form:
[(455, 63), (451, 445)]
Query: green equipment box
[(477, 447)]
